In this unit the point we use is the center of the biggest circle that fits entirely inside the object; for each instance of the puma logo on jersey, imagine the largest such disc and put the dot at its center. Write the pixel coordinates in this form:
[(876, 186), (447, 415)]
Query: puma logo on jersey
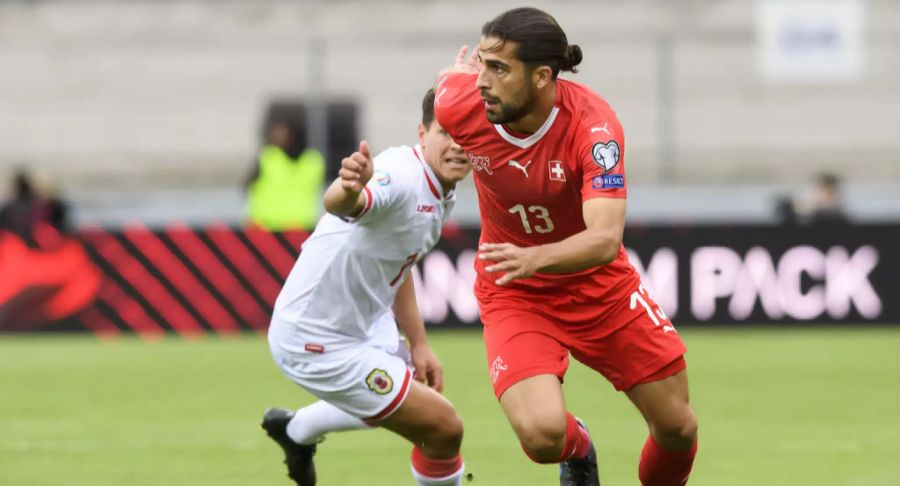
[(604, 128), (517, 165)]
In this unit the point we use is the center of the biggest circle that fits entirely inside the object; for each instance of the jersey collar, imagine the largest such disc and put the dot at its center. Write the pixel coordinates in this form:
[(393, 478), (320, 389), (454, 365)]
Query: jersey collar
[(534, 137), (432, 179)]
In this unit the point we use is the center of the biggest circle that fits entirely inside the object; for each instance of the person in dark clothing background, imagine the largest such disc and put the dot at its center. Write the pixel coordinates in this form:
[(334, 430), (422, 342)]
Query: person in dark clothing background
[(21, 212), (28, 214), (827, 206)]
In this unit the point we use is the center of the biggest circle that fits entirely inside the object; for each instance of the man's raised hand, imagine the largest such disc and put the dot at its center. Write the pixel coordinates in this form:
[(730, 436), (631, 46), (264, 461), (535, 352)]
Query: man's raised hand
[(463, 64), (357, 169)]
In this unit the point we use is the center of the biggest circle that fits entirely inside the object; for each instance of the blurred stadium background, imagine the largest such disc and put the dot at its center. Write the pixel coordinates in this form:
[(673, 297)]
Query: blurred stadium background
[(141, 120)]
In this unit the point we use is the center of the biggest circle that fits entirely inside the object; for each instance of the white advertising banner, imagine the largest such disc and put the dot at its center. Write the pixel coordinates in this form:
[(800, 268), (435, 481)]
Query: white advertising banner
[(811, 41)]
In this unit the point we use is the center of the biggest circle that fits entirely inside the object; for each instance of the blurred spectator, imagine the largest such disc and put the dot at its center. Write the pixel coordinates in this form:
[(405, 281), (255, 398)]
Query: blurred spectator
[(21, 212), (54, 210), (37, 219), (285, 186), (827, 207), (822, 206), (785, 213)]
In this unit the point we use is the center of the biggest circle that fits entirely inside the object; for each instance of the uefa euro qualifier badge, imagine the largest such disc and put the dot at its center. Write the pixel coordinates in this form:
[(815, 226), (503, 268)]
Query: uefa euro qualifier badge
[(606, 154), (380, 382), (381, 178)]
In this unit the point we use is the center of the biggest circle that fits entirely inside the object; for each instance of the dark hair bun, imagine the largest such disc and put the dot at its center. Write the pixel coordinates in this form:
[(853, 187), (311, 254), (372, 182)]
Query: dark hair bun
[(573, 58)]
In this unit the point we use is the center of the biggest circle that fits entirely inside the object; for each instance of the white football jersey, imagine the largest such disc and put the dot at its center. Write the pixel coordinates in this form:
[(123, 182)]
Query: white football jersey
[(349, 270)]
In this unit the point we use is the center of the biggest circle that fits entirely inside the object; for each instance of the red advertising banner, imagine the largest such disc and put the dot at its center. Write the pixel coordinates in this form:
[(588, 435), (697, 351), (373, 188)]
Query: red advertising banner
[(178, 280)]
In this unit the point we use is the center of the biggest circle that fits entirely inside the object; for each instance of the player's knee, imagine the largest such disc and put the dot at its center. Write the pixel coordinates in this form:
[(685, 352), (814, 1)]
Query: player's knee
[(446, 438), (677, 432), (543, 443), (452, 433)]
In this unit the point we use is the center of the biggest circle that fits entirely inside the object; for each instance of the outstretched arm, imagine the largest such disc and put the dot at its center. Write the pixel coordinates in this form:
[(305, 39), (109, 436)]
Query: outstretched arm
[(406, 311)]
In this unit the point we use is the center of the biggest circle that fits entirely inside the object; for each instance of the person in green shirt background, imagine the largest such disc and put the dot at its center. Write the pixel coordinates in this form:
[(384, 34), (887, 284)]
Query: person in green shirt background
[(285, 186)]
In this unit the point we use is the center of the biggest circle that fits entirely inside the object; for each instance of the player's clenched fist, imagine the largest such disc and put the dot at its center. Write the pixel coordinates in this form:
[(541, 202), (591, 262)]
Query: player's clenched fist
[(356, 170)]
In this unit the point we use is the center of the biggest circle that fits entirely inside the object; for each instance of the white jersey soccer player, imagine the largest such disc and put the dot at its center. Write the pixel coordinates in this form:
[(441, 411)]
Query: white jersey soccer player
[(334, 329), (340, 292)]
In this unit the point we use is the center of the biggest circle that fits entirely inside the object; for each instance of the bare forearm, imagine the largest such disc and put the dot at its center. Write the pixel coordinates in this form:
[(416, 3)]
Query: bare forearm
[(580, 251), (341, 201), (406, 311)]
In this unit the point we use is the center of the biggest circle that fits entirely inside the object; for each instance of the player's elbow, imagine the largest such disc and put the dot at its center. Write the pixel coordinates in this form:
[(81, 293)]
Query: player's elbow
[(606, 258), (607, 250)]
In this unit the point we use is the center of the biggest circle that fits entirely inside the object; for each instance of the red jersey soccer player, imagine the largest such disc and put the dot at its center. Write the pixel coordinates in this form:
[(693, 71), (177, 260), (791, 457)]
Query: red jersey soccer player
[(553, 276)]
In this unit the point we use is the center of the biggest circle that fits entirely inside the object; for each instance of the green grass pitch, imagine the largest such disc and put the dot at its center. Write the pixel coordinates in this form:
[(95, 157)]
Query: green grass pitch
[(817, 406)]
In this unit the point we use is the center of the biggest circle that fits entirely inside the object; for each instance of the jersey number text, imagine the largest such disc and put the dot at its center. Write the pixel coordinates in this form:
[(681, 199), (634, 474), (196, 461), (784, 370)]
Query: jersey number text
[(658, 317), (544, 225)]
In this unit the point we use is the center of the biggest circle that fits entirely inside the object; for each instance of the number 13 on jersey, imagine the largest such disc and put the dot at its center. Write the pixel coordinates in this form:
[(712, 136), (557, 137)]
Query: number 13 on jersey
[(658, 317), (543, 223)]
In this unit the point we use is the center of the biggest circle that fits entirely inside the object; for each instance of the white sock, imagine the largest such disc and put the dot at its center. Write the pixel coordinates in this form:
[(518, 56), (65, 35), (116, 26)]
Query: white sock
[(454, 479), (312, 422)]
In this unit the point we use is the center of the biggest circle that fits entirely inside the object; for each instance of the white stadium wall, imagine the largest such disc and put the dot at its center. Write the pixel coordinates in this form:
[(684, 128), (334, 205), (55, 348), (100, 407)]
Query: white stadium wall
[(148, 94)]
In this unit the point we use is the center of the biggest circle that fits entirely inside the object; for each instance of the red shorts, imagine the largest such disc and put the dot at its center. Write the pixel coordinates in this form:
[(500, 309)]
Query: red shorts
[(629, 341)]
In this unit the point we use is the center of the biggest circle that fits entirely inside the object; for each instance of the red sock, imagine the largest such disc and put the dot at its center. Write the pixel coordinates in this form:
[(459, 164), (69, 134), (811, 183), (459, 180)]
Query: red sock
[(434, 468), (577, 445), (661, 467)]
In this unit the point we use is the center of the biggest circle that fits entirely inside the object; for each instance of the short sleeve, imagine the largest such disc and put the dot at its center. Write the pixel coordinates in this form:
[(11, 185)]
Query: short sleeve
[(386, 188), (456, 100), (601, 155)]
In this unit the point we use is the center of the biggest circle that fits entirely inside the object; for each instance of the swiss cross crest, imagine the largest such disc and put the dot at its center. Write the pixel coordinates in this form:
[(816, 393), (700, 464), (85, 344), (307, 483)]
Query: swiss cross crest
[(556, 171)]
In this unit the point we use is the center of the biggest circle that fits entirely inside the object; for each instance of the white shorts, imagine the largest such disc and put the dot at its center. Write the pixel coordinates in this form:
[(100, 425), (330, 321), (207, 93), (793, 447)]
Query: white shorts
[(369, 380)]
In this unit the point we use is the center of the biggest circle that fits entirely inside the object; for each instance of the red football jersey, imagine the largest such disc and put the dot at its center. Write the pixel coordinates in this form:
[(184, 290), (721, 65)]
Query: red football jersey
[(531, 187)]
